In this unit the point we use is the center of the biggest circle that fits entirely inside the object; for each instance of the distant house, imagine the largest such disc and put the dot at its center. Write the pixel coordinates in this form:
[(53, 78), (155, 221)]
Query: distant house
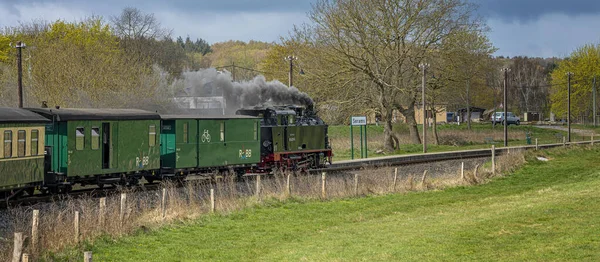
[(476, 114), (440, 115)]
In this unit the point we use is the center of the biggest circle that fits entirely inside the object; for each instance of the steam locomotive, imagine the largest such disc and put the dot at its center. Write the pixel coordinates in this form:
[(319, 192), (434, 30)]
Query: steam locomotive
[(292, 137)]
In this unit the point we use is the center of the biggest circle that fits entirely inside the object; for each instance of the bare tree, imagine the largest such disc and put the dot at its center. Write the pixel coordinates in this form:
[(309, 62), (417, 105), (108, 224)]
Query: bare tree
[(384, 41), (530, 81), (467, 56), (133, 24)]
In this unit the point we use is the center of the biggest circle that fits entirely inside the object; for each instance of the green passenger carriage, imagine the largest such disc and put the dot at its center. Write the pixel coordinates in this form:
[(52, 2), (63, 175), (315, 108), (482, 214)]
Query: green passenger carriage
[(100, 146), (22, 151), (200, 144)]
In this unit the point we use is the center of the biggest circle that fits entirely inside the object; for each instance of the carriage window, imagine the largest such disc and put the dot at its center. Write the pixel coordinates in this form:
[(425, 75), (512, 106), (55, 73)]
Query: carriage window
[(7, 143), (21, 136), (95, 138), (79, 138), (255, 130), (222, 131), (185, 133), (291, 119), (34, 142), (152, 135)]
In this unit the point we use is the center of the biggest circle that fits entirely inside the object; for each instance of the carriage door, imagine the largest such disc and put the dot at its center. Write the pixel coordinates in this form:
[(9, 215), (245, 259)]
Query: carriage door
[(106, 152), (48, 178)]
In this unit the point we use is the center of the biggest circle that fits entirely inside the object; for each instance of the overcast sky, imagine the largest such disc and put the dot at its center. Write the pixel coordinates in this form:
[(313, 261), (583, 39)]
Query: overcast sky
[(518, 27)]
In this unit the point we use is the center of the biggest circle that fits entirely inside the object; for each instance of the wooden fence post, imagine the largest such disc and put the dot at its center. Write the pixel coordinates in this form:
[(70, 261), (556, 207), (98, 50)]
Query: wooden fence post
[(564, 141), (395, 179), (87, 256), (102, 212), (34, 228), (462, 171), (18, 247), (257, 187), (423, 179), (163, 203), (324, 185), (475, 174), (537, 147), (25, 257), (356, 184), (288, 186), (592, 139), (76, 224), (493, 160), (123, 204), (212, 200)]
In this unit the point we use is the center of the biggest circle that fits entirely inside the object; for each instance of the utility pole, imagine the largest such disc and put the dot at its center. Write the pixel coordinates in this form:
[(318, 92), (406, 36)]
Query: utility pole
[(20, 45), (506, 70), (291, 59), (569, 74), (424, 67), (494, 112), (468, 106), (594, 100)]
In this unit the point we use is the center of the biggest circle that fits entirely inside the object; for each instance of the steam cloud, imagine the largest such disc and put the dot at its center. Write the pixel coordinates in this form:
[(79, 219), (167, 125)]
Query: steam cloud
[(209, 82)]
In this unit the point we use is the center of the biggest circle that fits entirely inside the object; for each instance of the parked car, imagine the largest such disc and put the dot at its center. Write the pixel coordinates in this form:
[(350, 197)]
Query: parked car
[(498, 117)]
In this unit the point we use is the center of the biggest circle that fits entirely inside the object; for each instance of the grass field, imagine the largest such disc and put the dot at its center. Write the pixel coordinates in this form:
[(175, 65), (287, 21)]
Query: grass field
[(452, 137), (545, 211)]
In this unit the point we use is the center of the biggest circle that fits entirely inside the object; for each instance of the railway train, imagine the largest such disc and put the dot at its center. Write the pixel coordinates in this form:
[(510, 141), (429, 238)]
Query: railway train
[(53, 149)]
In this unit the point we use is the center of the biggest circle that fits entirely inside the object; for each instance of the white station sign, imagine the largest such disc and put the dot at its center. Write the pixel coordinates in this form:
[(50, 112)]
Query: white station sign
[(359, 121)]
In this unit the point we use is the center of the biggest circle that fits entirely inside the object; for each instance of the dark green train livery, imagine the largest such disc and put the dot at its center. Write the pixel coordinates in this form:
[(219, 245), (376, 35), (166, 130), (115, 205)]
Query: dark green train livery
[(22, 151), (53, 149), (100, 146), (197, 144), (292, 137)]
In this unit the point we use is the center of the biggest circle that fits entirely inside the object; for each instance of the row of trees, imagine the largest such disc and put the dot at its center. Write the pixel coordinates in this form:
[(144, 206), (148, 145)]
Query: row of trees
[(97, 62), (367, 54), (583, 63), (355, 54)]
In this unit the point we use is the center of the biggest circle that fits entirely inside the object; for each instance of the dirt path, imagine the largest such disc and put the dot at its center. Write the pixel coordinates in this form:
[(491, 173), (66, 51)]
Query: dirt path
[(563, 128)]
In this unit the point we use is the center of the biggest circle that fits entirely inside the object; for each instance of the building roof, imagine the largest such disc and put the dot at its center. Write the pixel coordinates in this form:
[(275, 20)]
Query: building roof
[(19, 115), (68, 114)]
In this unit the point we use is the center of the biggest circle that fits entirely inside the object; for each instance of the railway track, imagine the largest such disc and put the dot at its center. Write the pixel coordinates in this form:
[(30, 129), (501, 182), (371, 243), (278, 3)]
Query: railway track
[(397, 160), (347, 165), (86, 192)]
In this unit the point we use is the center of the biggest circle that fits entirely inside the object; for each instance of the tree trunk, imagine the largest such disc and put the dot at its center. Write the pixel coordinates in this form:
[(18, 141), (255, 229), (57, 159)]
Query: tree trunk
[(409, 115), (468, 107), (387, 115), (388, 143)]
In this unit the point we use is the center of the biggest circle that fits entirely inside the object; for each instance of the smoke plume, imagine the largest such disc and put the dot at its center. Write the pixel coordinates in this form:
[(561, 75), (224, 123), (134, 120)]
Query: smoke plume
[(258, 91)]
